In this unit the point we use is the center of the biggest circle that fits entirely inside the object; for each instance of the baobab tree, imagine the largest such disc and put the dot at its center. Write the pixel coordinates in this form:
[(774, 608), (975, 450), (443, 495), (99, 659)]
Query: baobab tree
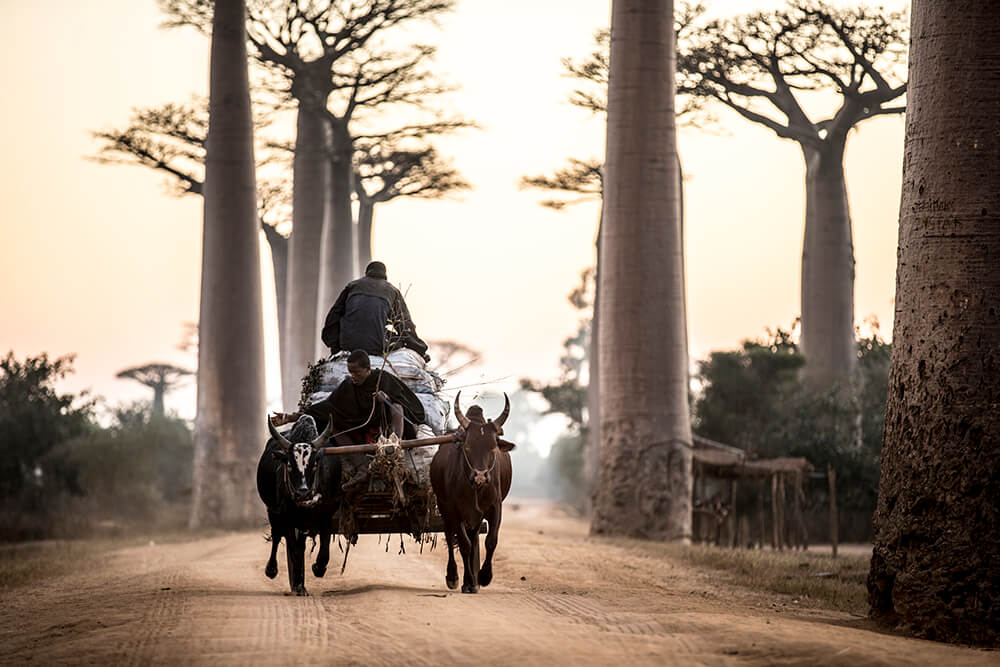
[(161, 378), (644, 489), (936, 562), (581, 180), (761, 66), (231, 392)]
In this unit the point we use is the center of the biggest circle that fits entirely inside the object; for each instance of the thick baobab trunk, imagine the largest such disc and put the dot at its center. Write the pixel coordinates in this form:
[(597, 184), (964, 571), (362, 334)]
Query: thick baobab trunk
[(228, 431), (645, 479), (936, 561), (302, 323), (366, 215), (337, 258), (827, 272), (279, 265)]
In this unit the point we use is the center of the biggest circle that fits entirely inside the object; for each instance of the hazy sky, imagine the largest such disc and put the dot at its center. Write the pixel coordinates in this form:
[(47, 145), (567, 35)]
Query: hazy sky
[(102, 262)]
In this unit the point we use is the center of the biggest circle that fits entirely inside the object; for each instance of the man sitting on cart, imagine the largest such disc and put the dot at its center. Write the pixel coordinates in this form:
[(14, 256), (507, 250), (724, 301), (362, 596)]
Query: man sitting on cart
[(364, 405), (359, 318)]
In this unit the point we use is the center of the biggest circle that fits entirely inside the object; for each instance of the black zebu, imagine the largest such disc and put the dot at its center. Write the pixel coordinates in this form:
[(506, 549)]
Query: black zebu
[(470, 479), (301, 489)]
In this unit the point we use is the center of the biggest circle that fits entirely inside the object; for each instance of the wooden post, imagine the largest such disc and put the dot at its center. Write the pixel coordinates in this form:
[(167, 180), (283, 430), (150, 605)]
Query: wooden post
[(775, 540), (831, 478), (782, 522), (733, 523), (800, 499), (796, 532), (761, 532)]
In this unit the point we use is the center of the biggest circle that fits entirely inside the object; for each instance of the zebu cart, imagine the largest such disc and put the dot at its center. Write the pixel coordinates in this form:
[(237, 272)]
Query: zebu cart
[(390, 496), (386, 484)]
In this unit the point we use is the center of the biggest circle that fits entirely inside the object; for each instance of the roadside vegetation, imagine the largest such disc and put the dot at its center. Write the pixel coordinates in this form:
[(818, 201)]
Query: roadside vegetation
[(813, 579), (74, 468)]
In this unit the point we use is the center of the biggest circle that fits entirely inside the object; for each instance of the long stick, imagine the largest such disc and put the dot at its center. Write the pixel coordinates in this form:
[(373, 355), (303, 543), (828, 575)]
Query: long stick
[(404, 444)]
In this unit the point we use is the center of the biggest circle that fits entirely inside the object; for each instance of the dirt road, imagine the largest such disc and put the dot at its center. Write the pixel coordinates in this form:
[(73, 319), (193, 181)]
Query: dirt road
[(580, 602)]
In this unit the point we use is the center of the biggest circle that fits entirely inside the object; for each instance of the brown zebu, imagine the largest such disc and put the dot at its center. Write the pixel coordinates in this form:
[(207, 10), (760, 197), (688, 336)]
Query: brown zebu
[(470, 479)]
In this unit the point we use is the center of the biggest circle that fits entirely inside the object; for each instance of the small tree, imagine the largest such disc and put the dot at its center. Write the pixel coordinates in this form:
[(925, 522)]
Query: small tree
[(161, 378), (34, 417)]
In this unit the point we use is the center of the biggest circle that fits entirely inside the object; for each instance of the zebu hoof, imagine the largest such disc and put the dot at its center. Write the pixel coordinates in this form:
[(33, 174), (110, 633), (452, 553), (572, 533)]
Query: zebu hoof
[(300, 590), (452, 583), (485, 577), (319, 570), (466, 588), (271, 571)]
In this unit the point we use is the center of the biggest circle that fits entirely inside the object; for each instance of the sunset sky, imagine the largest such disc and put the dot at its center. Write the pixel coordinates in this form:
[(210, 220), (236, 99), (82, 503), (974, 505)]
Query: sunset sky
[(102, 262)]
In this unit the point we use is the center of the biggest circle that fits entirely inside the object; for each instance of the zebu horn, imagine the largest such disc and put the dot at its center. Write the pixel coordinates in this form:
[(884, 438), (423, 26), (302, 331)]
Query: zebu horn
[(462, 419), (506, 411), (324, 436), (282, 441)]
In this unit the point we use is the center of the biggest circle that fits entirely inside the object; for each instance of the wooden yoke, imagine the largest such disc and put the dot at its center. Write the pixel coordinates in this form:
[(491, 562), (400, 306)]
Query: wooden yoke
[(403, 444)]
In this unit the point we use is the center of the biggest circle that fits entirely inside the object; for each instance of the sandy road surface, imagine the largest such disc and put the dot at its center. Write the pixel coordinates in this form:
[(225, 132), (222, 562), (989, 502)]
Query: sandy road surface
[(582, 602)]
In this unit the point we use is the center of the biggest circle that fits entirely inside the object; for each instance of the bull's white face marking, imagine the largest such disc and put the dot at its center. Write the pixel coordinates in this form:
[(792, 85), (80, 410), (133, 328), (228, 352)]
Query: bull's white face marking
[(301, 453)]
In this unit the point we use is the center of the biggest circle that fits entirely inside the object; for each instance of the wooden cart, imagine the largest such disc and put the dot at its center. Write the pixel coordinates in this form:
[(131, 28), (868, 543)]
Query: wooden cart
[(387, 503)]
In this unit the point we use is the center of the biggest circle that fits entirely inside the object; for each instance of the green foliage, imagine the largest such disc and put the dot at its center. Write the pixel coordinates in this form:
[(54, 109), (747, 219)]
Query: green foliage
[(137, 464), (752, 398), (62, 475), (744, 391), (34, 418), (566, 458)]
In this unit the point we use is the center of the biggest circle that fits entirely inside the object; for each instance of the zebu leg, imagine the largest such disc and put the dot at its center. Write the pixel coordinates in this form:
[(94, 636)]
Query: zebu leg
[(472, 565), (493, 517), (469, 584), (451, 574), (271, 569), (295, 547), (323, 557)]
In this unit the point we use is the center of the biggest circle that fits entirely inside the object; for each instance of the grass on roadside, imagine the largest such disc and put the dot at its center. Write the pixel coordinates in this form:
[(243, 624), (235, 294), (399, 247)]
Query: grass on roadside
[(814, 578)]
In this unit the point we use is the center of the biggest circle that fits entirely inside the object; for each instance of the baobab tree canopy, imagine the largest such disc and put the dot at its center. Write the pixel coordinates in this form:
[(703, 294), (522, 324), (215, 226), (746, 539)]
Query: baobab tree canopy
[(769, 67)]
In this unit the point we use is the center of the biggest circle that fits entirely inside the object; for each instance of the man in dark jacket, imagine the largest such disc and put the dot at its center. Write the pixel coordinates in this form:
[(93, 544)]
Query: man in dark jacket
[(364, 404), (363, 314)]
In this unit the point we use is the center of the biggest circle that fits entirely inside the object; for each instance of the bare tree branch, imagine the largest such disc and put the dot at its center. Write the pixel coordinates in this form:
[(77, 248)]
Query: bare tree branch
[(581, 177)]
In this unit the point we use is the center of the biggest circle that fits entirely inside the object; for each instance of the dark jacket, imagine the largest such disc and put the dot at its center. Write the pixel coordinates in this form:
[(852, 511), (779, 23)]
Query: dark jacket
[(350, 405), (359, 319)]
